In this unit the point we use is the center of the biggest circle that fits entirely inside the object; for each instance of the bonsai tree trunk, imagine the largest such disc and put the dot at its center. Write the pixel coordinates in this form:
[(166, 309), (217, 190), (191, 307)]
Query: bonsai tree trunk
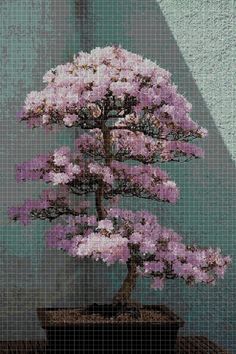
[(99, 195), (123, 296), (101, 212)]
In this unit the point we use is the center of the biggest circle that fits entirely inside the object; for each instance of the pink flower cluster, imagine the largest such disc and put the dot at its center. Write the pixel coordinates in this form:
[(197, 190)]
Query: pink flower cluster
[(77, 93), (174, 150), (159, 251), (23, 213), (103, 171), (161, 128), (91, 144), (136, 145), (144, 180), (63, 167), (32, 170), (108, 249), (51, 199), (161, 254)]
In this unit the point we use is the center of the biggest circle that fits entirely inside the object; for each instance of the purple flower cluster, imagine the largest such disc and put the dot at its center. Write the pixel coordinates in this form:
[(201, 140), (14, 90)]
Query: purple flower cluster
[(63, 167), (32, 170), (77, 93), (159, 251), (127, 144), (23, 212), (51, 200), (173, 150), (144, 180)]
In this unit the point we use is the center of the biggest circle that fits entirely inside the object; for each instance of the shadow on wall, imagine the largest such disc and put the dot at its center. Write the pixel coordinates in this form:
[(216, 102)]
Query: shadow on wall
[(85, 23)]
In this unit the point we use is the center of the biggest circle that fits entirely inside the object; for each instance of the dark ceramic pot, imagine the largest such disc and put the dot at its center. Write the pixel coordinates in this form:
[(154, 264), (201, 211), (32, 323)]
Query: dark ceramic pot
[(119, 337)]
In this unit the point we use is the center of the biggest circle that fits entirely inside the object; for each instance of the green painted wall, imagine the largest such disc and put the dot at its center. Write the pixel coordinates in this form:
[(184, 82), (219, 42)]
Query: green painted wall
[(193, 40)]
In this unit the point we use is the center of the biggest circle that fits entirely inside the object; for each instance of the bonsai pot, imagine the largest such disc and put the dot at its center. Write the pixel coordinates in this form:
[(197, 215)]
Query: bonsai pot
[(69, 330)]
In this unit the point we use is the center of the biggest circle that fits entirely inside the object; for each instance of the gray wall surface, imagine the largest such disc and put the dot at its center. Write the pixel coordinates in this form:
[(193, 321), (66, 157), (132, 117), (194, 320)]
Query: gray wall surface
[(194, 41)]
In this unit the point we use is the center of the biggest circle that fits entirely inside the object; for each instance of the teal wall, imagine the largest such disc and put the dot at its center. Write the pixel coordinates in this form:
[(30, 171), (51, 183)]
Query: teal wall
[(193, 40)]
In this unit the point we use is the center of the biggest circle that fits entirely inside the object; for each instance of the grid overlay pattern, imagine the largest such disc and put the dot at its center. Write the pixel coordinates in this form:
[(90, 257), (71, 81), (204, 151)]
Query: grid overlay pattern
[(37, 35)]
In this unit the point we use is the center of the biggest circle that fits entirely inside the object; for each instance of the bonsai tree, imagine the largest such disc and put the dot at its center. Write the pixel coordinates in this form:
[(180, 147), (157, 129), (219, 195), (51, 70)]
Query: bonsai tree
[(129, 110)]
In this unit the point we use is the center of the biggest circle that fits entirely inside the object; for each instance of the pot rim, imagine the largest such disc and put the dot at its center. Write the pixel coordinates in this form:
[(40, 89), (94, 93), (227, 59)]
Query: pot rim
[(173, 319)]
